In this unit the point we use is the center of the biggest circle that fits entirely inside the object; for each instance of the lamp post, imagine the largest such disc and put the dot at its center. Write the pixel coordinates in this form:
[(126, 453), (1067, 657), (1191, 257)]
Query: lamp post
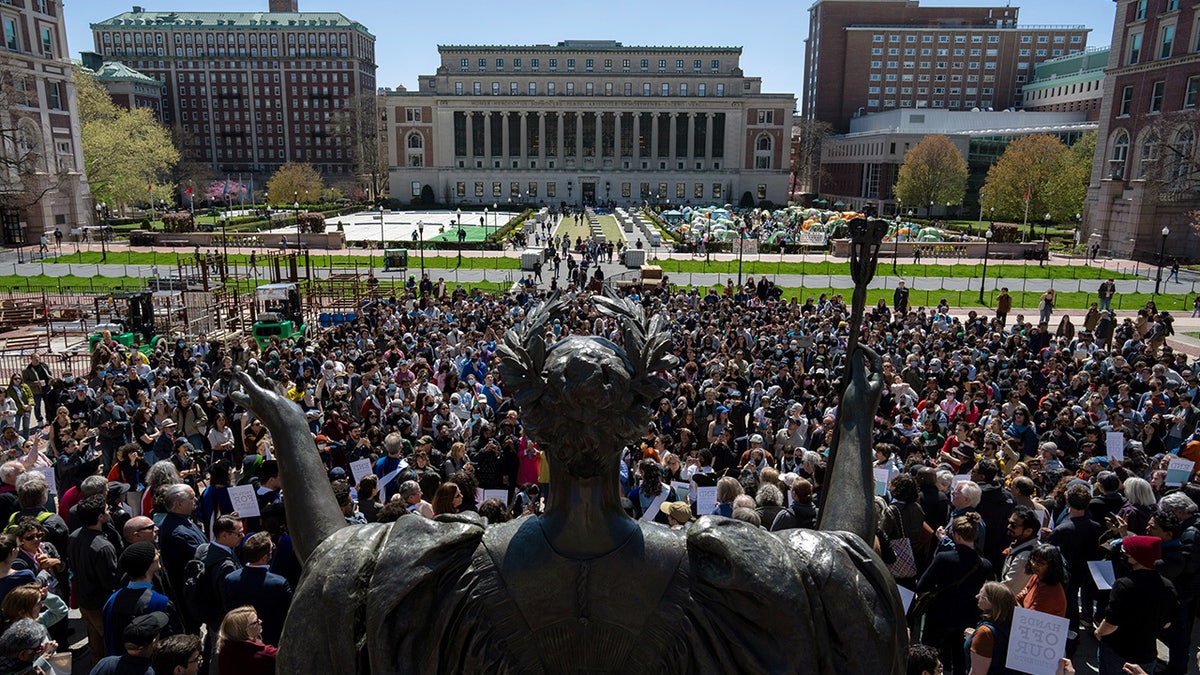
[(1162, 255), (987, 249), (495, 219), (381, 244), (741, 250), (100, 221), (458, 222), (896, 245), (421, 236), (484, 222), (570, 200), (607, 193), (1045, 241)]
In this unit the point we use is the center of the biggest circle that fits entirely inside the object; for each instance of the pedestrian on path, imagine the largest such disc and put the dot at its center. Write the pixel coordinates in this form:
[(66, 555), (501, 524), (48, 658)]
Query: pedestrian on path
[(1106, 292), (900, 299), (1046, 306), (1003, 306), (1174, 276)]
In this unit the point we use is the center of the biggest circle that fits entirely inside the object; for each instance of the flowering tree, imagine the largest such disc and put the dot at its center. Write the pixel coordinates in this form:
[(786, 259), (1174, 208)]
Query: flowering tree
[(222, 190)]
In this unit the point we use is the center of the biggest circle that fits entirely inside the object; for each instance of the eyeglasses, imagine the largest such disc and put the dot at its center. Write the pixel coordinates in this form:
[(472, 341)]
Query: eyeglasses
[(198, 658), (148, 527), (256, 622), (33, 537)]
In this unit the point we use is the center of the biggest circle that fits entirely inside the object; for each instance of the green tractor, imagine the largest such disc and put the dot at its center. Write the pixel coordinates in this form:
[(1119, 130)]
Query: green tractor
[(131, 320), (280, 314)]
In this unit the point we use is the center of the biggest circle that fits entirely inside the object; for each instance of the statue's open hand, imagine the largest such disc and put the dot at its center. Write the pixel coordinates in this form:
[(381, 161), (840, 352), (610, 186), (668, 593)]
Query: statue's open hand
[(260, 395)]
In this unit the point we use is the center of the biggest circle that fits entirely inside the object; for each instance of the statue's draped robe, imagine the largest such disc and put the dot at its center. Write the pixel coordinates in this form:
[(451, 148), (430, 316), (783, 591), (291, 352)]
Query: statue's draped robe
[(447, 596)]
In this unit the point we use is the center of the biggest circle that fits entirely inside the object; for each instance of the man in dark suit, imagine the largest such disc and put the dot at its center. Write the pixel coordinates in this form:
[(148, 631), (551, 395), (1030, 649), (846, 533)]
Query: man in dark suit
[(178, 539), (256, 585), (219, 561)]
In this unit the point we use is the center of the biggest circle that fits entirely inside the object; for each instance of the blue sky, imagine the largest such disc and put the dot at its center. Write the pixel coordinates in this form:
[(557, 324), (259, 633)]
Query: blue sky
[(771, 34)]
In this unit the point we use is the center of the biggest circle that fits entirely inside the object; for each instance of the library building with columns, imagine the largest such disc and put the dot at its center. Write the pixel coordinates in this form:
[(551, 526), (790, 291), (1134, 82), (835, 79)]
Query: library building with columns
[(589, 122)]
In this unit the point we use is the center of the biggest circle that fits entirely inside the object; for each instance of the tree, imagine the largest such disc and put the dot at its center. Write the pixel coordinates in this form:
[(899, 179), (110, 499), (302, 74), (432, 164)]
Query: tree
[(124, 151), (934, 172), (1168, 155), (1044, 168), (360, 126), (807, 137), (29, 169), (225, 190), (294, 182)]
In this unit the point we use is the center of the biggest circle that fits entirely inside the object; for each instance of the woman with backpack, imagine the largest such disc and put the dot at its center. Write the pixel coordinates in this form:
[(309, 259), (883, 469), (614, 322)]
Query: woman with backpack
[(987, 643)]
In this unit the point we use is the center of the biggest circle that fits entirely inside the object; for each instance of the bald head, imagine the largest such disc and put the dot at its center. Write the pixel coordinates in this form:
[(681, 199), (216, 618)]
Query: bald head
[(139, 528)]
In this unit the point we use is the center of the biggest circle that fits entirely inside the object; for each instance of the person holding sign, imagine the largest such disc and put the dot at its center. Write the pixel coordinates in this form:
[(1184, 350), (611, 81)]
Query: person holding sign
[(1140, 604), (648, 497), (954, 576)]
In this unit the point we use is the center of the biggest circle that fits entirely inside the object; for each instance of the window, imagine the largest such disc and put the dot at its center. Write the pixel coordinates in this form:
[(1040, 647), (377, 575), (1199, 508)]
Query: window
[(720, 90), (662, 64), (1120, 152), (714, 66), (10, 34), (53, 97), (644, 65), (766, 116), (570, 65), (1166, 42), (553, 64), (412, 114), (666, 89), (1135, 48), (549, 88), (624, 64), (589, 64), (477, 88), (495, 89), (533, 88), (1156, 96), (570, 89), (516, 64), (499, 64), (877, 38), (683, 89), (533, 63), (645, 89), (512, 88), (458, 88), (47, 42), (1190, 92), (762, 191), (416, 188), (1140, 12), (1149, 154), (679, 64), (701, 89), (1184, 148)]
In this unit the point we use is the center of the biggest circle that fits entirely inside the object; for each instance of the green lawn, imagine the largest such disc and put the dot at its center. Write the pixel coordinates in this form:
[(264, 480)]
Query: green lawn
[(474, 234), (1013, 271), (84, 286), (574, 230), (437, 260)]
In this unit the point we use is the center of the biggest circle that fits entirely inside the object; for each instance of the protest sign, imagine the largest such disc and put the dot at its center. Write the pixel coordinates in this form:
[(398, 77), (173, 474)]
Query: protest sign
[(245, 502), (48, 472), (706, 500), (1179, 470), (1037, 642), (1116, 445), (360, 469), (882, 476), (1102, 574)]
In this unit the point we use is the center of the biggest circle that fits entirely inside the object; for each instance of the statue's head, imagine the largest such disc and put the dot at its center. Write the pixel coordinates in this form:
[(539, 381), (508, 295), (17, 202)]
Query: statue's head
[(584, 398)]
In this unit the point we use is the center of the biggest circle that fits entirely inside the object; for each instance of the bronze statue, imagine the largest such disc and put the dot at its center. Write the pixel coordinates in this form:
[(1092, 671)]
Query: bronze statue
[(584, 587)]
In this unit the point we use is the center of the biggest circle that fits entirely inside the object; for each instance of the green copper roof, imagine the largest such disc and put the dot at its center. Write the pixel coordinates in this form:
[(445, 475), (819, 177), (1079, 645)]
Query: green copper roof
[(112, 71), (1071, 65), (230, 20), (586, 46)]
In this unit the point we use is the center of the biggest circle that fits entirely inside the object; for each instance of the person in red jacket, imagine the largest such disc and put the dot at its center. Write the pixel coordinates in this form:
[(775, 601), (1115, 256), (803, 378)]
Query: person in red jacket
[(239, 647)]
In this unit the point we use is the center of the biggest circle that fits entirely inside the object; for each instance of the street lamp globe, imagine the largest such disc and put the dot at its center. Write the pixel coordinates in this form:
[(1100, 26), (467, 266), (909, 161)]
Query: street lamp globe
[(988, 234), (1166, 231)]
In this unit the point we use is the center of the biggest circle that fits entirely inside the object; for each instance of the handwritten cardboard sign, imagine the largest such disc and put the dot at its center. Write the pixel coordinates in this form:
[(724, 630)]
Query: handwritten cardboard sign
[(245, 502), (882, 476), (1037, 642), (48, 472), (681, 490)]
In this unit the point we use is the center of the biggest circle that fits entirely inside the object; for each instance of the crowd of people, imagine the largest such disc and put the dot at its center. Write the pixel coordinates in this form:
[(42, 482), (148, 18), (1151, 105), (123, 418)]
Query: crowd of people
[(996, 437)]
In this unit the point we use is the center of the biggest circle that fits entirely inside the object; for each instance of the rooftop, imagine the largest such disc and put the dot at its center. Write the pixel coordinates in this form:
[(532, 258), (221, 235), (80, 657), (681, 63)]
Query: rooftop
[(971, 123), (112, 71), (584, 45), (238, 20)]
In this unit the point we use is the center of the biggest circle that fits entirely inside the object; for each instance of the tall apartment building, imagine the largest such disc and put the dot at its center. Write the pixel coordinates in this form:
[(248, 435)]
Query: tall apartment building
[(251, 90), (863, 57), (589, 121), (42, 187), (1146, 175), (1069, 84)]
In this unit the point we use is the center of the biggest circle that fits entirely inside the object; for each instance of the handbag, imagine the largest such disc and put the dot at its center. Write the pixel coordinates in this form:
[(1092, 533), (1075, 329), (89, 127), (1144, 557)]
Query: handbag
[(905, 566)]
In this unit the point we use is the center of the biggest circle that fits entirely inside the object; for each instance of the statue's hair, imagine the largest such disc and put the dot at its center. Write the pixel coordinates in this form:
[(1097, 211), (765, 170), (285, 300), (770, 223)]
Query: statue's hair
[(584, 398)]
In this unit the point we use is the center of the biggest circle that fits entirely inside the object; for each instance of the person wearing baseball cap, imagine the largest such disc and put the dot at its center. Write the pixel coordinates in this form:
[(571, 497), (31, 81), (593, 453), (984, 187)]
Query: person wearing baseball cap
[(140, 638), (1140, 604), (679, 514)]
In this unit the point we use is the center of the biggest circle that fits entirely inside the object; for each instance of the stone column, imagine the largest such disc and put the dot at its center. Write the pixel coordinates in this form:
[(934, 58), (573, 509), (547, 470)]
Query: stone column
[(562, 153), (524, 153), (599, 139), (708, 136), (691, 138), (541, 116), (617, 138), (487, 134), (637, 135), (654, 134), (505, 147), (579, 139), (470, 124), (672, 150)]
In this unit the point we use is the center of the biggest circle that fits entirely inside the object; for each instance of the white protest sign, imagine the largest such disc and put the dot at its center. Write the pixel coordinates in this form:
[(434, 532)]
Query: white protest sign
[(478, 496), (906, 597), (958, 479), (1037, 642), (360, 469), (706, 500), (1116, 445), (244, 501), (48, 472), (1102, 574), (882, 476), (681, 490), (1179, 470), (502, 495)]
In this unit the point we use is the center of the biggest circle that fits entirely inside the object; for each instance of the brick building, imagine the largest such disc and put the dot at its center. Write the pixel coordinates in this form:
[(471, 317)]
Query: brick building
[(1146, 174), (864, 57), (43, 186), (251, 90), (589, 121)]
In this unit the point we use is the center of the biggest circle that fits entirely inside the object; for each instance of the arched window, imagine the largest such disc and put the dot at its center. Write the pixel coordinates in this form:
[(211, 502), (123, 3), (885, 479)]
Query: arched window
[(1182, 152), (1119, 155), (763, 146), (415, 141), (1149, 155)]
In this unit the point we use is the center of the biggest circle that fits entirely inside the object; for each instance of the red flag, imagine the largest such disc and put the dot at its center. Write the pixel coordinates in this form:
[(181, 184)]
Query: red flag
[(149, 187), (1027, 193), (189, 190)]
